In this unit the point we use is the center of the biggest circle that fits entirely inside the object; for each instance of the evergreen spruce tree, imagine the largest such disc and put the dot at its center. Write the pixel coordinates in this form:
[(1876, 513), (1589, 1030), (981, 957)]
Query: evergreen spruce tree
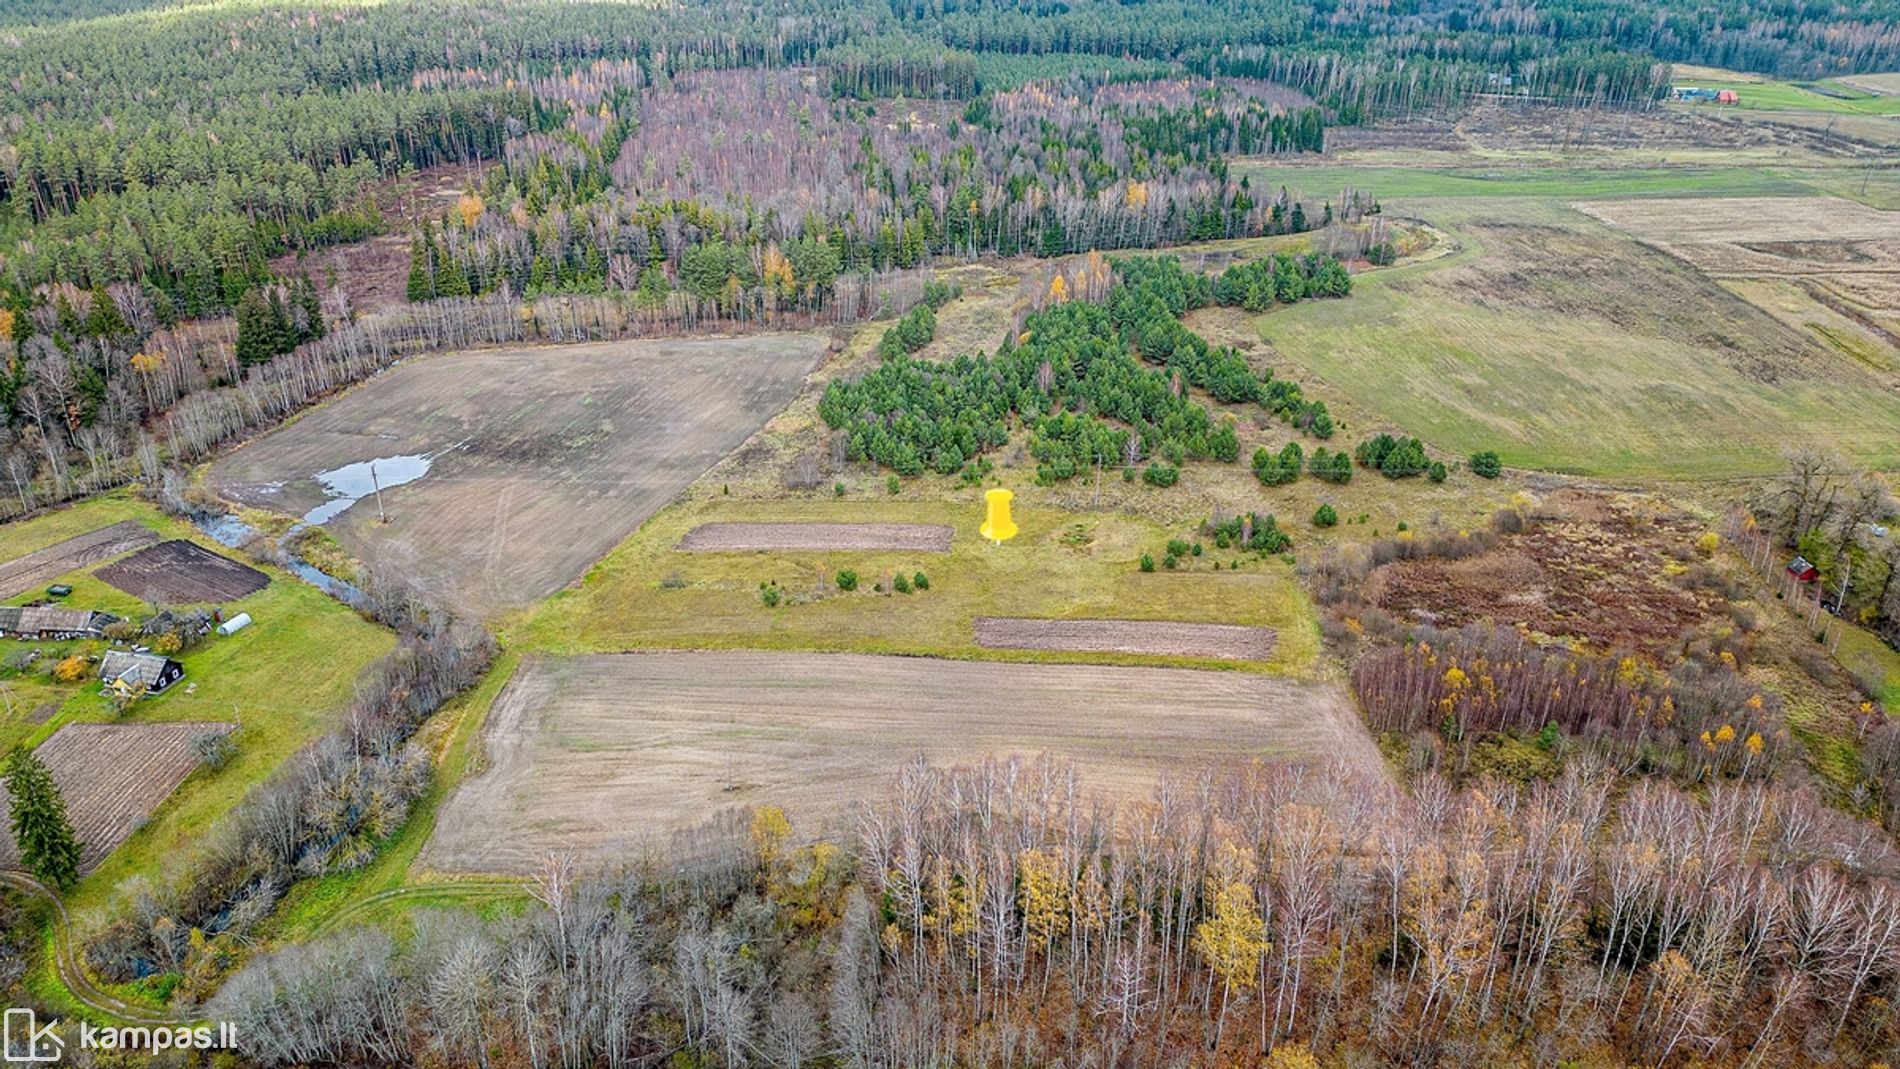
[(653, 287), (40, 827), (452, 281), (282, 334), (253, 329), (104, 319), (421, 279), (312, 308)]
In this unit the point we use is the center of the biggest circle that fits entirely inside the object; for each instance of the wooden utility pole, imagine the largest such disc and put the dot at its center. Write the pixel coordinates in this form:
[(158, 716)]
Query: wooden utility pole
[(381, 516), (1847, 569)]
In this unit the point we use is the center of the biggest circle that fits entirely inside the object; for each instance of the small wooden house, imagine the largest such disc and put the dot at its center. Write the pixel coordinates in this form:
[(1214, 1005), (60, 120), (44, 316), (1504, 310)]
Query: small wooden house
[(1803, 571), (132, 675)]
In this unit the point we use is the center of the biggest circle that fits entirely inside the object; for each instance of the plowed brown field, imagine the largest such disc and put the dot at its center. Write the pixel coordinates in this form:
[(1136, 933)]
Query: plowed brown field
[(599, 754), (113, 776), (22, 574), (542, 459)]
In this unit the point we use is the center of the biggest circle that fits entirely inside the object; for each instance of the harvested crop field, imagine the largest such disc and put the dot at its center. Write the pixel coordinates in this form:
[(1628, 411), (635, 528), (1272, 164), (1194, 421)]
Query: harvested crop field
[(738, 537), (1849, 251), (22, 574), (1162, 638), (1702, 226), (599, 754), (1568, 345), (538, 460), (113, 776), (1493, 134), (182, 572)]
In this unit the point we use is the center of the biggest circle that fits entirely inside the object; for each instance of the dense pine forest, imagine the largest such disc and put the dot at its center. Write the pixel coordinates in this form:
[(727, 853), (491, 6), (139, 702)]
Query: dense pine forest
[(712, 162)]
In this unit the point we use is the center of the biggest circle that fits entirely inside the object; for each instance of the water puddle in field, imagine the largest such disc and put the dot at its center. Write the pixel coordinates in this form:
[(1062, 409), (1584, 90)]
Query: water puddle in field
[(353, 482)]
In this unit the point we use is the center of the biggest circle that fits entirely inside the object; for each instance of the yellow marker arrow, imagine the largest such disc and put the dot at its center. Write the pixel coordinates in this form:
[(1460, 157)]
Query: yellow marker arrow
[(997, 526)]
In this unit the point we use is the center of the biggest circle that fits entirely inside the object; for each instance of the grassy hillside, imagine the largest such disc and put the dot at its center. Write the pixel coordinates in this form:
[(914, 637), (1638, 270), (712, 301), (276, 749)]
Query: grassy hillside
[(1567, 346)]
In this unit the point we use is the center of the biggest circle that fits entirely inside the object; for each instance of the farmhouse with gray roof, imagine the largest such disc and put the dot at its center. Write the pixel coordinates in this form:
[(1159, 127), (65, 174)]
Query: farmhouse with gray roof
[(133, 674)]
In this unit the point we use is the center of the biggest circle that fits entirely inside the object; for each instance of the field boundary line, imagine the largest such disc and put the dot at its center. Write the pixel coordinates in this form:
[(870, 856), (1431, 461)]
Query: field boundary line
[(487, 889)]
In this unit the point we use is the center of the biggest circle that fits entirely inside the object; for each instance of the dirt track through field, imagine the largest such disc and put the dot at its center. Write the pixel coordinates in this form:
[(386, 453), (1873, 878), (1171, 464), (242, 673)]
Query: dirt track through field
[(182, 572), (22, 574), (1164, 638), (918, 537), (113, 776), (540, 459), (601, 754)]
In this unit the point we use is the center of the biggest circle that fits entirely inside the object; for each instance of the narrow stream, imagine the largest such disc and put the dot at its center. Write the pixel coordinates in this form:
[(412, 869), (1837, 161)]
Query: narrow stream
[(228, 530), (345, 486)]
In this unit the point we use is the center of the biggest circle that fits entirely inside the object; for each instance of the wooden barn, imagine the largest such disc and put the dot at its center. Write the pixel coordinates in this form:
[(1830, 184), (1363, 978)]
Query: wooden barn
[(1803, 571), (51, 622), (130, 675)]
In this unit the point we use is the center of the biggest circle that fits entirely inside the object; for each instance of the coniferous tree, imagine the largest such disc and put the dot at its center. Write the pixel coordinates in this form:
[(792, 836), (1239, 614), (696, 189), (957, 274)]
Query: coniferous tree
[(421, 278), (310, 307), (451, 281), (47, 846), (255, 336), (281, 337), (105, 320)]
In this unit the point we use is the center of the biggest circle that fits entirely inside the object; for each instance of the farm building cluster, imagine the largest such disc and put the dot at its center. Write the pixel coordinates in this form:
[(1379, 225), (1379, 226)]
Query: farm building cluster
[(1698, 94), (141, 661), (144, 668), (131, 674)]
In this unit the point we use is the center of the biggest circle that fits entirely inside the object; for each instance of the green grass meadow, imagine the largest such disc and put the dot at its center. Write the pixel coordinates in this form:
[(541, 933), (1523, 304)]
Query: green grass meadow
[(1594, 383), (647, 595), (1827, 96)]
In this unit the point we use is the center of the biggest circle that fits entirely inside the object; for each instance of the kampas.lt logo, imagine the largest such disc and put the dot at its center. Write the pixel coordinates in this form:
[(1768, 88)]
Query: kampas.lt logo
[(27, 1042), (30, 1043)]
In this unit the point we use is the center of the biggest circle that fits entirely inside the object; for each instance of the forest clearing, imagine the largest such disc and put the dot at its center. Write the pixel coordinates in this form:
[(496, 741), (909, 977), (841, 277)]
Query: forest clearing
[(577, 745), (1606, 573), (540, 459)]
